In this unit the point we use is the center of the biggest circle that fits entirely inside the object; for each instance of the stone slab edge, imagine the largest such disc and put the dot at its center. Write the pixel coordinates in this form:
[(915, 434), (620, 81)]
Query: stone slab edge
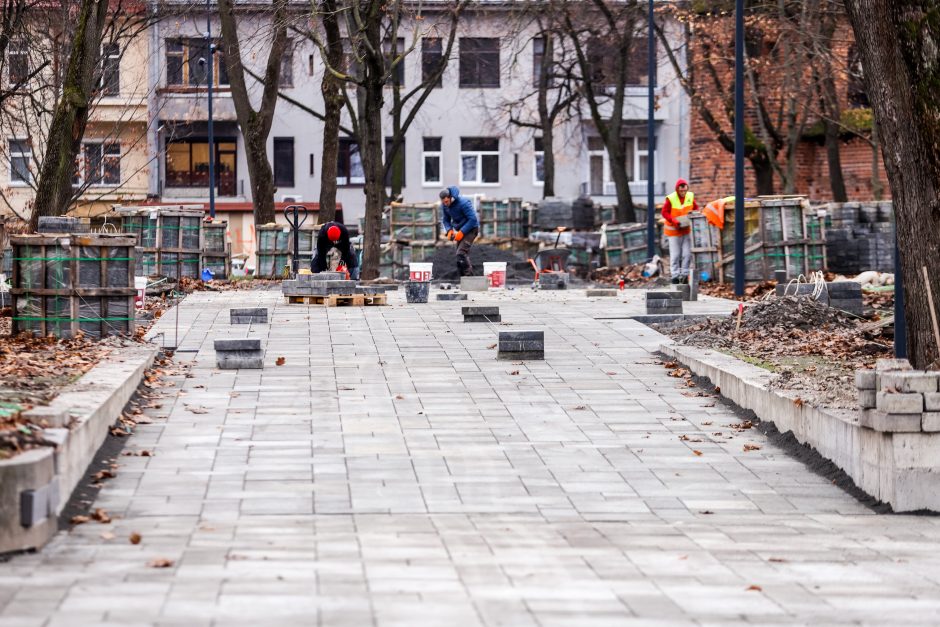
[(94, 401), (901, 469)]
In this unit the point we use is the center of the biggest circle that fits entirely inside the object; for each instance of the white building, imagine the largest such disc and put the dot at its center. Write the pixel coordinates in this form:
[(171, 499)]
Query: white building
[(459, 137)]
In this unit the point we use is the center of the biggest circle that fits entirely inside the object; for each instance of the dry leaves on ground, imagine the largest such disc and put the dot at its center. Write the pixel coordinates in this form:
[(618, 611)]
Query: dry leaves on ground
[(280, 361), (160, 562), (134, 538)]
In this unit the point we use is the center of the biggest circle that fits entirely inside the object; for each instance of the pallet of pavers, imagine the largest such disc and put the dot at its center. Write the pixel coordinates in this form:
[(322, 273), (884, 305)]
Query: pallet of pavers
[(331, 289)]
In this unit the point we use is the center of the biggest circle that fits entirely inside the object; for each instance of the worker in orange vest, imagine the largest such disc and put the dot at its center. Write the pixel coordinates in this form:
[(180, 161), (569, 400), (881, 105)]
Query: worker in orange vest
[(676, 208)]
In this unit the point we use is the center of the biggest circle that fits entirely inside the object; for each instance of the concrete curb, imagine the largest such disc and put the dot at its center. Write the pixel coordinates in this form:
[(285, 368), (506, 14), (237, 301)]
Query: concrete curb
[(901, 469), (36, 485)]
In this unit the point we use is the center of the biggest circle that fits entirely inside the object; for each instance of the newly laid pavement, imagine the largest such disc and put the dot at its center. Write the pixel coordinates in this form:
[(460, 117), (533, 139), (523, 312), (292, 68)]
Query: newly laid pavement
[(393, 472)]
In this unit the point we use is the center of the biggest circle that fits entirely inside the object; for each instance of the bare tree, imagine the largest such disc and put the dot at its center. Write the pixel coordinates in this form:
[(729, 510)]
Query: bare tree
[(54, 191), (255, 123), (897, 40), (603, 36)]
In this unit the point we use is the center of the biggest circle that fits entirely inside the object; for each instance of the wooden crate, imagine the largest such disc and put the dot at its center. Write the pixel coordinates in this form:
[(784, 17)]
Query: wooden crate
[(169, 239), (66, 284), (215, 237), (219, 264)]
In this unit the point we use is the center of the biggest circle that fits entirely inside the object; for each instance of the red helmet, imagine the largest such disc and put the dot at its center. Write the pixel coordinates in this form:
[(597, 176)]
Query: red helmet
[(333, 233)]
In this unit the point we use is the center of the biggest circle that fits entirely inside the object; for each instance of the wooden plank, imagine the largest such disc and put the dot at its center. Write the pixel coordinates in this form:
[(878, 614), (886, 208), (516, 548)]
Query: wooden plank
[(334, 300)]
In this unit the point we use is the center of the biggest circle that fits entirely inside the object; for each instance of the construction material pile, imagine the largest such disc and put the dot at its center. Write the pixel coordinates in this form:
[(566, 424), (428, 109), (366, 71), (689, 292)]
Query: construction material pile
[(445, 263)]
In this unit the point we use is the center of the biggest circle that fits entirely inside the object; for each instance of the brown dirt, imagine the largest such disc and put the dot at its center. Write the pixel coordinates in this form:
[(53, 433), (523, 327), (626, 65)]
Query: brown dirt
[(814, 348)]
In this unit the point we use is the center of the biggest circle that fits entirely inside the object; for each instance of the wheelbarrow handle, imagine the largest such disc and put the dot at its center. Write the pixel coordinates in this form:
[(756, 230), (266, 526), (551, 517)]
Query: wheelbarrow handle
[(300, 221)]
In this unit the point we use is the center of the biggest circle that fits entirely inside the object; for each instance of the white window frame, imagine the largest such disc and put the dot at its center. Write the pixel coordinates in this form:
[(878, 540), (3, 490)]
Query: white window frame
[(637, 154), (105, 145), (440, 164), (20, 155), (479, 154), (106, 54)]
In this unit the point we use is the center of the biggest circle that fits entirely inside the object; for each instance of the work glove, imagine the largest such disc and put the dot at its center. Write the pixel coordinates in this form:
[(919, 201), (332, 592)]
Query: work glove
[(458, 236), (450, 234)]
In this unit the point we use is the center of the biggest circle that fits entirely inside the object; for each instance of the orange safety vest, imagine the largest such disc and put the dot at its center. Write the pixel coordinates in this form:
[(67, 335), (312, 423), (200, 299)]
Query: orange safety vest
[(679, 208)]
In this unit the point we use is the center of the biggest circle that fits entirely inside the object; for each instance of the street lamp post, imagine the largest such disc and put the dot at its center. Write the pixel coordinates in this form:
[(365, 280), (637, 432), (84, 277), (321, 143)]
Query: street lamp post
[(210, 51), (739, 269), (650, 137)]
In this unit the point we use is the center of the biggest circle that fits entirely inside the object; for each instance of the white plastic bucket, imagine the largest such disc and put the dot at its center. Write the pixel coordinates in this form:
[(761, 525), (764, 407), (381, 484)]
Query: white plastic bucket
[(420, 271), (140, 285), (495, 273)]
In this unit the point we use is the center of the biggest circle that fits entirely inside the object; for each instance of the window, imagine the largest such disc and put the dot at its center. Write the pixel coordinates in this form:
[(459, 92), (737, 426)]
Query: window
[(20, 155), (186, 63), (401, 155), (636, 161), (538, 164), (286, 76), (310, 65), (349, 166), (110, 69), (98, 164), (432, 53), (431, 161), (17, 62), (603, 59), (284, 161), (479, 62), (187, 164), (398, 72), (479, 160), (538, 54)]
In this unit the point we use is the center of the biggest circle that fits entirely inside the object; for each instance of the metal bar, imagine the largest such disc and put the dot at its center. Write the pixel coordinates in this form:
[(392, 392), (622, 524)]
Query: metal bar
[(739, 269), (650, 136), (210, 51)]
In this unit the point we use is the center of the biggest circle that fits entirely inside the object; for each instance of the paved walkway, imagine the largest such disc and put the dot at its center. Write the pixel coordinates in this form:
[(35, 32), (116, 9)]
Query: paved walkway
[(392, 472)]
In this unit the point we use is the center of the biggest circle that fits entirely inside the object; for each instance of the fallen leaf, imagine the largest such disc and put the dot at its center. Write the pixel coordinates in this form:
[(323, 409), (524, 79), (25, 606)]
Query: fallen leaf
[(751, 447), (580, 407), (491, 346), (102, 475), (160, 562), (717, 390), (514, 372), (134, 538), (196, 409), (754, 588), (80, 519), (107, 535), (706, 512), (101, 516), (611, 373), (707, 423), (399, 397), (280, 361), (776, 560), (697, 453), (799, 402)]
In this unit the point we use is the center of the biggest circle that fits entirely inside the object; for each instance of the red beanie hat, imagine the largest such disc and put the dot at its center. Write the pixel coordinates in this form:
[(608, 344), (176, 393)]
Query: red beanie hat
[(680, 182), (333, 233)]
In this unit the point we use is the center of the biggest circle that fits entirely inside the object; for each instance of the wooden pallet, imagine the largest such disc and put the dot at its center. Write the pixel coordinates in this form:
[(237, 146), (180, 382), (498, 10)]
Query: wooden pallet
[(336, 300)]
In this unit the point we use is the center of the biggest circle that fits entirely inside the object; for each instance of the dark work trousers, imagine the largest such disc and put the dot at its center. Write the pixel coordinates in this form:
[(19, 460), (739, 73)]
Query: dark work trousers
[(350, 259), (463, 252)]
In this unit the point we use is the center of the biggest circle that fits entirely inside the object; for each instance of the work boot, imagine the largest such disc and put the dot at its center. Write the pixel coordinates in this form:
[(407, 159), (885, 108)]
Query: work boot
[(675, 280)]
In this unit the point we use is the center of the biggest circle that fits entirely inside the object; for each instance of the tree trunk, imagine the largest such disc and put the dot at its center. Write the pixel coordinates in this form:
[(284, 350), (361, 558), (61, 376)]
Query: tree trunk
[(54, 187), (548, 158), (832, 113), (255, 125), (371, 99), (897, 42), (834, 160), (876, 188), (763, 173), (331, 88), (626, 211)]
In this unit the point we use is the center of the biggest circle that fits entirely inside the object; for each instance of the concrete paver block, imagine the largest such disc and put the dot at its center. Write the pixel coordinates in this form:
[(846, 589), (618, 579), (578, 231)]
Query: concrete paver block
[(932, 401), (241, 344), (48, 416), (892, 365), (600, 293), (866, 379), (931, 421), (254, 315), (910, 381), (900, 403), (451, 297), (867, 399), (895, 423), (473, 284)]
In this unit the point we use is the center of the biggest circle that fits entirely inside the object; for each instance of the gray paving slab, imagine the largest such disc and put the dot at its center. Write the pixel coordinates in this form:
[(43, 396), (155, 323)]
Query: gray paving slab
[(392, 471)]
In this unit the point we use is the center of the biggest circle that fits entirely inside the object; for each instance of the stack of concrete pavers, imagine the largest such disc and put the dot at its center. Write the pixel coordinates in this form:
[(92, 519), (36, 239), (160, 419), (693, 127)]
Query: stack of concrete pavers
[(685, 290), (843, 295), (592, 293), (896, 398), (521, 345), (663, 303), (322, 284), (553, 281), (451, 297), (480, 314), (253, 315), (235, 354), (474, 283), (371, 290)]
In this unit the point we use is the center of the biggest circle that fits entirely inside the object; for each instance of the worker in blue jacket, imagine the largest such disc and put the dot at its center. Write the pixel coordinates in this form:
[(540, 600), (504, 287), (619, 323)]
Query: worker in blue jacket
[(461, 225)]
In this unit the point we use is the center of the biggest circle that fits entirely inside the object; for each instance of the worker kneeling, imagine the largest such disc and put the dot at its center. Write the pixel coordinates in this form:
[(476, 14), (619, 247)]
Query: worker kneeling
[(335, 235), (676, 209)]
